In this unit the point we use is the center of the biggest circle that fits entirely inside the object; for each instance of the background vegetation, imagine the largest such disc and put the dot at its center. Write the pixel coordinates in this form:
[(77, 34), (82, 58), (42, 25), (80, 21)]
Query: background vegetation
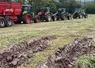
[(54, 4)]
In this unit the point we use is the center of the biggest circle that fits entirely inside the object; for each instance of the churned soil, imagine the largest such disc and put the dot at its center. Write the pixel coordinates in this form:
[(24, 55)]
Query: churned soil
[(16, 54), (67, 56)]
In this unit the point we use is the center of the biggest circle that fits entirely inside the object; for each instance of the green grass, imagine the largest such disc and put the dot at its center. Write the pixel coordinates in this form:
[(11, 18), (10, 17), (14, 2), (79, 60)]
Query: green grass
[(85, 61), (23, 32), (65, 31)]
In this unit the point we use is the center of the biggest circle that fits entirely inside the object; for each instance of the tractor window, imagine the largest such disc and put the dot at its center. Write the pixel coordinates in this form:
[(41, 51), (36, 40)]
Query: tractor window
[(26, 8)]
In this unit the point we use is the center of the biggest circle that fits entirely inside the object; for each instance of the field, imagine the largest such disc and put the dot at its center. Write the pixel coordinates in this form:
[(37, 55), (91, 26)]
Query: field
[(65, 31)]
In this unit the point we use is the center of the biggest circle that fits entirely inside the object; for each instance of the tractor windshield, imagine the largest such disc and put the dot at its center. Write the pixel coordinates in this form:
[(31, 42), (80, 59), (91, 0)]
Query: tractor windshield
[(46, 9), (27, 8)]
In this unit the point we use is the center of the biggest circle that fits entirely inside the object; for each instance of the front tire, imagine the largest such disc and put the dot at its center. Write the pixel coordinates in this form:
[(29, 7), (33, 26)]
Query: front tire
[(48, 18), (54, 18), (36, 20), (26, 19)]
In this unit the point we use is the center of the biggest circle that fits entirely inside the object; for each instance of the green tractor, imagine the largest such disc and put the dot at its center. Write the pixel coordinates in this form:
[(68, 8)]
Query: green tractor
[(61, 14), (27, 15), (46, 15), (79, 13)]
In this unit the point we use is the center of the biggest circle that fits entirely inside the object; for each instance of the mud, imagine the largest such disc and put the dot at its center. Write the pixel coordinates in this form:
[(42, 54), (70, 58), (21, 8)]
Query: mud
[(16, 54), (67, 56)]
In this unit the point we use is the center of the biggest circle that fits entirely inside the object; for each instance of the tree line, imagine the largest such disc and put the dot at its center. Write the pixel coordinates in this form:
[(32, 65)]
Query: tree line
[(54, 4)]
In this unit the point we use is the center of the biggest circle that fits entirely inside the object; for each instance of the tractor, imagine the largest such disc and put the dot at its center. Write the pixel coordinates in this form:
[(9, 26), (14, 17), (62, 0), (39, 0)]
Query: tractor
[(79, 13), (27, 15), (46, 15), (61, 14)]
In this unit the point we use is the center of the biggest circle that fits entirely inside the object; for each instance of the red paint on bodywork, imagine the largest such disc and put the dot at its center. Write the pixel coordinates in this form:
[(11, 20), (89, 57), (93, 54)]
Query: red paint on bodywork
[(10, 9)]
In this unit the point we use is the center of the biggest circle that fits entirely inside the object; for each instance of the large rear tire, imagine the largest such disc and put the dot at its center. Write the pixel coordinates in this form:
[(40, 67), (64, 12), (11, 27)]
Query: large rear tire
[(62, 17), (2, 22), (26, 19), (48, 18), (36, 19), (8, 21), (54, 18)]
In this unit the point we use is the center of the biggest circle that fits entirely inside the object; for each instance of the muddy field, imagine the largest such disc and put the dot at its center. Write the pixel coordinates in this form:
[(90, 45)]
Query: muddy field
[(16, 54), (67, 56), (48, 41)]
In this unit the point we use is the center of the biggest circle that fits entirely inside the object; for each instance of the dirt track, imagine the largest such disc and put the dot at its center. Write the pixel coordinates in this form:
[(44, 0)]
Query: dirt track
[(16, 54)]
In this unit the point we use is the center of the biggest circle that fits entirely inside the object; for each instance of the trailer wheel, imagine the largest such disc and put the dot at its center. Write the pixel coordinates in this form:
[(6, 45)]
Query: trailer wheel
[(36, 20), (48, 18), (8, 21), (2, 22), (26, 19)]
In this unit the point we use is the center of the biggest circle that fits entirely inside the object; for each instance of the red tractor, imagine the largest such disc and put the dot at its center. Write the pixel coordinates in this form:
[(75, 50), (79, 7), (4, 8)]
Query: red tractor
[(46, 15)]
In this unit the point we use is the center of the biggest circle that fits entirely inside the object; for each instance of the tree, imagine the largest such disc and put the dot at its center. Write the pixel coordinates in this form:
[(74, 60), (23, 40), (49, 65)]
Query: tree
[(22, 1), (68, 4), (90, 8), (37, 4)]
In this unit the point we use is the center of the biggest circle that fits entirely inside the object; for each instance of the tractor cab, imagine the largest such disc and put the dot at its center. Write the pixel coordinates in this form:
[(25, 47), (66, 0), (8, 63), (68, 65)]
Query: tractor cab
[(26, 9), (44, 11), (78, 10), (79, 13), (61, 11)]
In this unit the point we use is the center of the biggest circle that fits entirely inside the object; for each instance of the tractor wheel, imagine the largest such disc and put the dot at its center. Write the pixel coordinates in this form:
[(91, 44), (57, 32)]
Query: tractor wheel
[(79, 16), (48, 18), (8, 21), (36, 20), (62, 17), (58, 18), (74, 16), (85, 16), (54, 18), (26, 19), (2, 22)]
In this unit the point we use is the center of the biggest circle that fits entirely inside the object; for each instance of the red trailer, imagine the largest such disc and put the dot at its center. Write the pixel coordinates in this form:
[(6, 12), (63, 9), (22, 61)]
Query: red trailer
[(9, 11)]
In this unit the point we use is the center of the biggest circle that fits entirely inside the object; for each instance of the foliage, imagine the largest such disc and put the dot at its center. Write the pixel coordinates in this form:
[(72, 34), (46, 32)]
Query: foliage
[(38, 4), (86, 62), (68, 4), (22, 1), (90, 8), (53, 4)]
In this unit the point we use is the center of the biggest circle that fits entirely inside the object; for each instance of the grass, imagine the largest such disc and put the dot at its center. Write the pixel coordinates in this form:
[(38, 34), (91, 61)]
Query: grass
[(85, 61), (65, 31)]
